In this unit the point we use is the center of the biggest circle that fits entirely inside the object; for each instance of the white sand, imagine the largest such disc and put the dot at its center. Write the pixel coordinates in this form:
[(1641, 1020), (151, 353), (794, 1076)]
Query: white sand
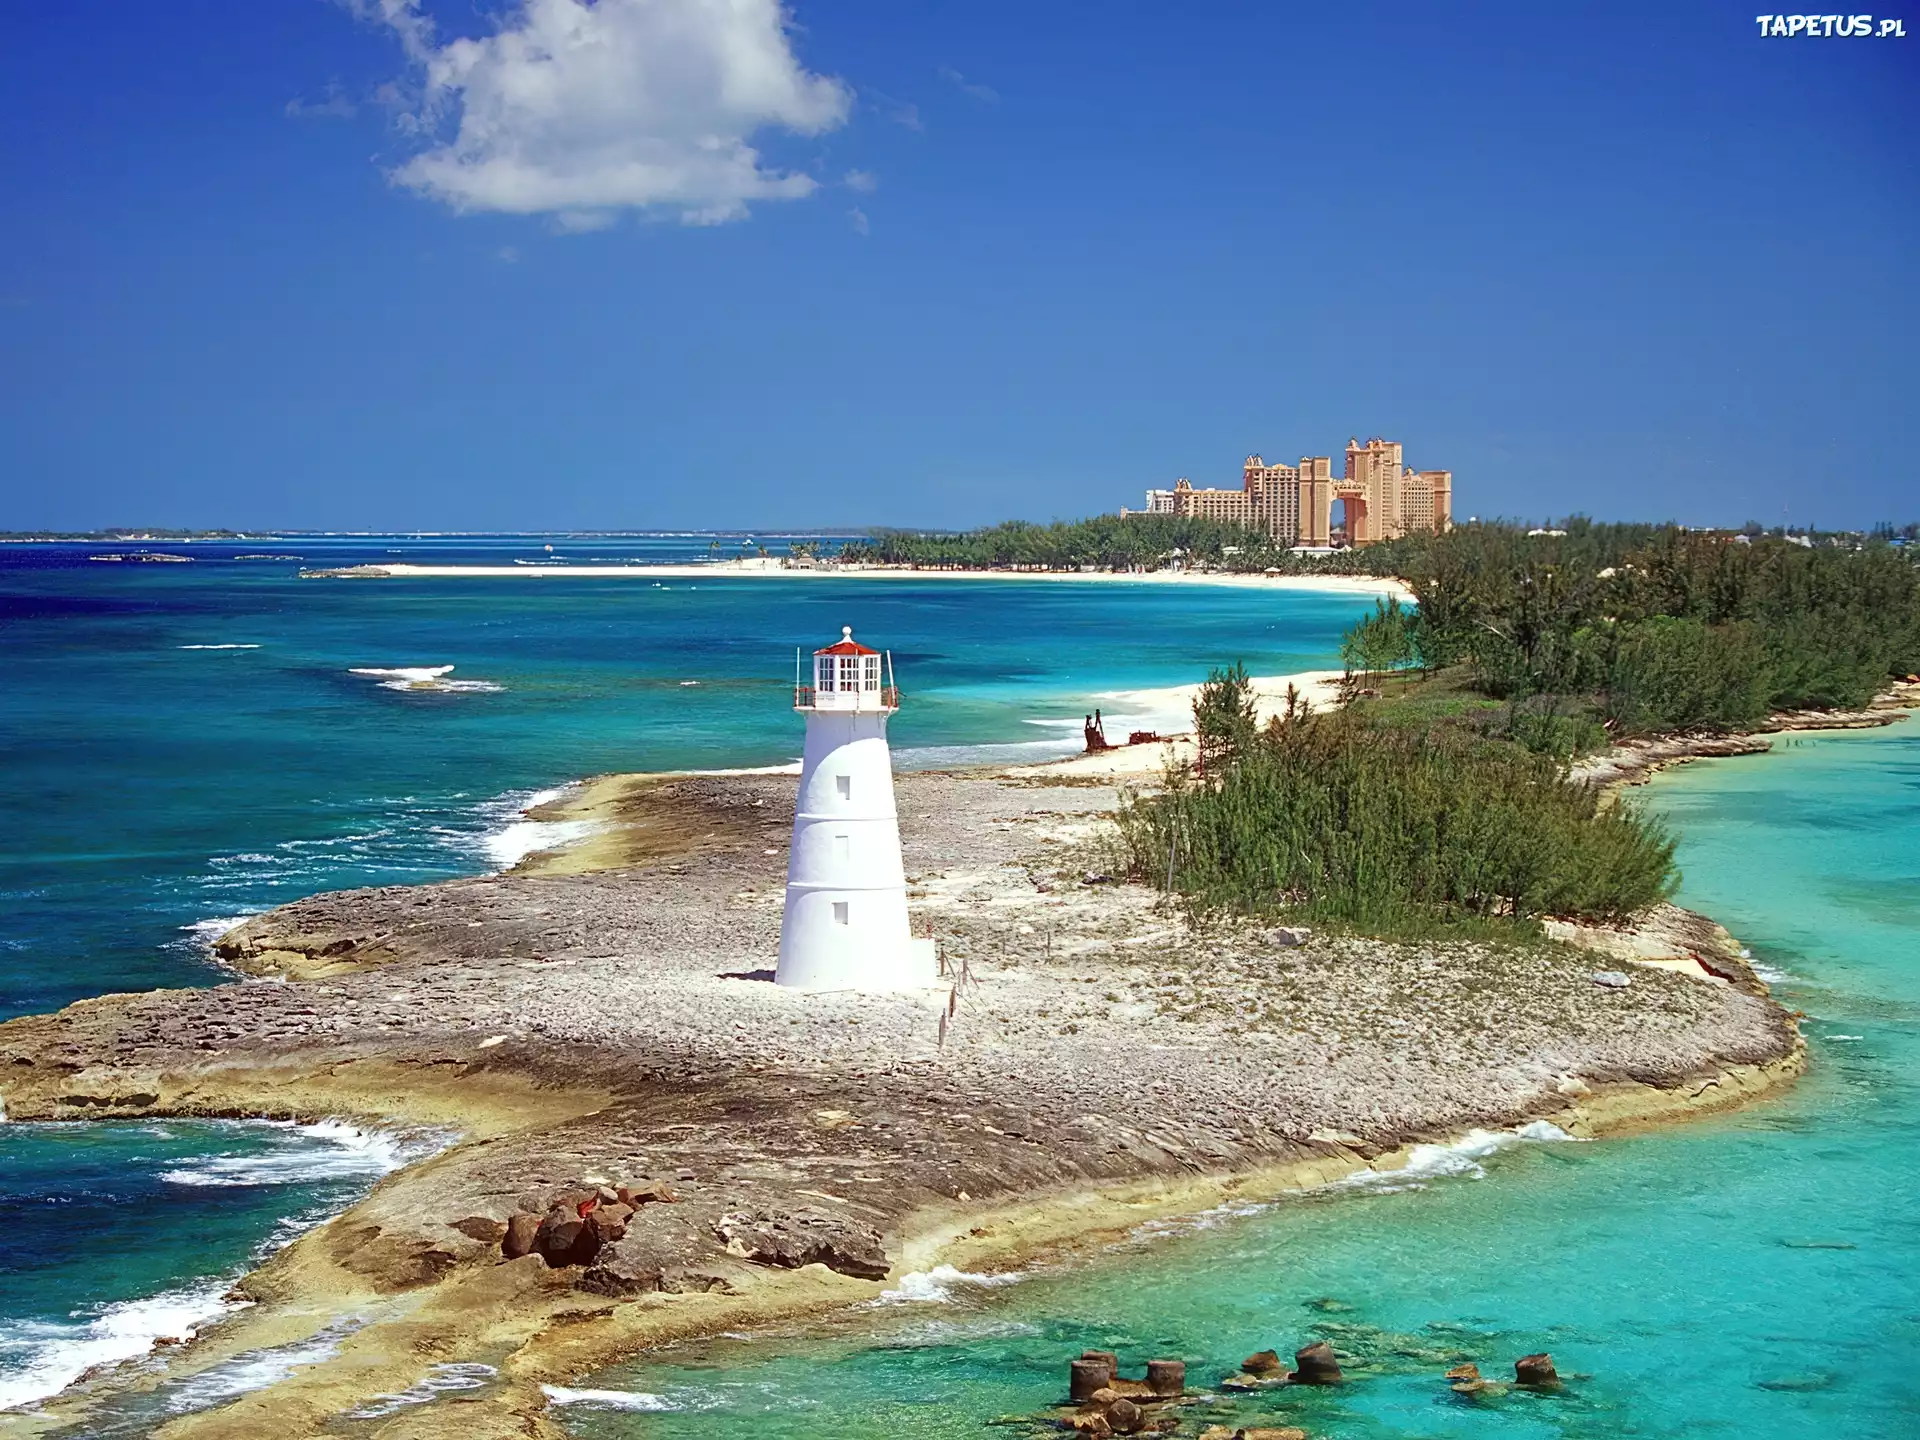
[(732, 569), (1319, 687)]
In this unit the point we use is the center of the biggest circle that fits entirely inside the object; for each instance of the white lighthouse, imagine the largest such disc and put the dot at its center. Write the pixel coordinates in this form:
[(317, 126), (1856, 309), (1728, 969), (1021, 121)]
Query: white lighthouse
[(845, 924)]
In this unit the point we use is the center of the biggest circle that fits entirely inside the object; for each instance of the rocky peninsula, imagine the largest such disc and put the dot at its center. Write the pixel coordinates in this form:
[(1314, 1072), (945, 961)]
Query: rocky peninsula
[(645, 1139)]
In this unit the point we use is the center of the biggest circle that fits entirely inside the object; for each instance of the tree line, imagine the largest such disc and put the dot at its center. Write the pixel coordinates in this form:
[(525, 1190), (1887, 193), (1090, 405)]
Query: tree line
[(1651, 628)]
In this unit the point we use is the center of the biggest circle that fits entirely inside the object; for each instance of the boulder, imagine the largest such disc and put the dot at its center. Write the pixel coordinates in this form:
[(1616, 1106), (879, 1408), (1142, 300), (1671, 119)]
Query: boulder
[(1612, 979), (1536, 1371), (1289, 937), (565, 1239), (1125, 1416), (518, 1240), (792, 1238), (1315, 1364), (608, 1223), (1262, 1362)]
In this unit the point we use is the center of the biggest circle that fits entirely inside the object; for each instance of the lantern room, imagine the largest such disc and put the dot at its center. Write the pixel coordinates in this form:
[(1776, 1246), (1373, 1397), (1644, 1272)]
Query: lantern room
[(847, 676)]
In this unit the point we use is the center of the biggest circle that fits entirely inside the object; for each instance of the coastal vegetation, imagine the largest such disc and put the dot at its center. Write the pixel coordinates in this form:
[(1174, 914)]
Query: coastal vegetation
[(1644, 629), (1102, 542), (1394, 830), (1440, 793)]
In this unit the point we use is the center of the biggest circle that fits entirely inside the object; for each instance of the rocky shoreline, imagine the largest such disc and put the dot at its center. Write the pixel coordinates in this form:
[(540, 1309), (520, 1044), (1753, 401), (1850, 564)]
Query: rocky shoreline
[(606, 1043)]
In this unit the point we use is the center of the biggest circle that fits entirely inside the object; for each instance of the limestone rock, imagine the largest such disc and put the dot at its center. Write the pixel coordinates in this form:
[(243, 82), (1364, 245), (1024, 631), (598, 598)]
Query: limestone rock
[(792, 1238), (1537, 1371), (1467, 1380), (1263, 1362), (1315, 1365), (484, 1228), (565, 1239), (609, 1275), (656, 1193), (608, 1223), (518, 1239)]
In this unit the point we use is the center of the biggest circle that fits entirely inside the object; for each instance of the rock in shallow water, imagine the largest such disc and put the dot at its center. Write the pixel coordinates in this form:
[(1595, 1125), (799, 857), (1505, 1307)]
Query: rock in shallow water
[(1315, 1364)]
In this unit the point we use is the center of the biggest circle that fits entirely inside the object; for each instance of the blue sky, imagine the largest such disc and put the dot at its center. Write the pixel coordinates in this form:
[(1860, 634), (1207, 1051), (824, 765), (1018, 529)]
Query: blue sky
[(391, 263)]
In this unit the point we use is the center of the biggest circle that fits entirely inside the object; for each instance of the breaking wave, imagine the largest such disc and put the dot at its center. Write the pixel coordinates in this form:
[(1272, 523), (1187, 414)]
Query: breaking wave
[(938, 1285), (54, 1356), (512, 836), (354, 1154), (1461, 1158)]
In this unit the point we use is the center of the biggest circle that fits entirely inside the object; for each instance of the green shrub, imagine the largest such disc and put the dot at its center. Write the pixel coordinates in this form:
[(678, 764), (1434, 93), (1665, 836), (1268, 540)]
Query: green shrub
[(1385, 829)]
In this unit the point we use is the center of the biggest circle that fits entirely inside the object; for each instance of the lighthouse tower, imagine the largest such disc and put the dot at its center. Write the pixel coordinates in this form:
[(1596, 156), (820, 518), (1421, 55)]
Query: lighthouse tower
[(845, 924)]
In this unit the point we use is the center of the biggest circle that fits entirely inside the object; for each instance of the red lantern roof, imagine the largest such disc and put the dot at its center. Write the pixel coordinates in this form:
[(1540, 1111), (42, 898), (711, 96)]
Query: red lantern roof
[(846, 645)]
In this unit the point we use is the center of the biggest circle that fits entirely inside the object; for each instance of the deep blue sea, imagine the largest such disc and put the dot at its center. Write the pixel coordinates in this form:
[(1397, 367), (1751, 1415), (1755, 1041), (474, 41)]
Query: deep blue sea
[(185, 743)]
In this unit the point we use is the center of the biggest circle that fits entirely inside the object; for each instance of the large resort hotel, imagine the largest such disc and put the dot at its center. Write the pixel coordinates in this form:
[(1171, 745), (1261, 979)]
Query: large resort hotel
[(1380, 498)]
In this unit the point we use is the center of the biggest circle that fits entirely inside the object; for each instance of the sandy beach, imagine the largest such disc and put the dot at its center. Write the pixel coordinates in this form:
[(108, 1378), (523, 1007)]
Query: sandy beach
[(602, 1016), (771, 568)]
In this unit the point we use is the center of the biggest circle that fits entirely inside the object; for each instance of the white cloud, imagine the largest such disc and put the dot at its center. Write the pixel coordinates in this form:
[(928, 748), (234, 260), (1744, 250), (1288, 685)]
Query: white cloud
[(968, 87), (859, 219), (864, 181), (896, 112), (333, 104), (578, 110)]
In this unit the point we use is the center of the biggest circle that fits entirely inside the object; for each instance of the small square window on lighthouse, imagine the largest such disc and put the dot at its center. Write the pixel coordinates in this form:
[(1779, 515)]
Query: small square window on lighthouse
[(843, 847), (844, 784), (840, 912)]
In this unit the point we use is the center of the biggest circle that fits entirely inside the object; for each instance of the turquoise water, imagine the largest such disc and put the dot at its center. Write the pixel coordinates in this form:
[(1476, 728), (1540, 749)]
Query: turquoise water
[(181, 744), (1755, 1276), (118, 1234)]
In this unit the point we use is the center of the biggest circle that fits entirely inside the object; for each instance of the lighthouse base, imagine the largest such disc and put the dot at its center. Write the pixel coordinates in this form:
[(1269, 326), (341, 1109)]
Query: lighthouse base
[(832, 941)]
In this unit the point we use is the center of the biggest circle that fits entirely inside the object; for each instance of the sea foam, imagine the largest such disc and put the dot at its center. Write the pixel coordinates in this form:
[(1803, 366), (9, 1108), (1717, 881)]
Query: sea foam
[(513, 836), (939, 1285), (1460, 1158), (609, 1399), (424, 677), (57, 1355), (460, 1375), (354, 1154)]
